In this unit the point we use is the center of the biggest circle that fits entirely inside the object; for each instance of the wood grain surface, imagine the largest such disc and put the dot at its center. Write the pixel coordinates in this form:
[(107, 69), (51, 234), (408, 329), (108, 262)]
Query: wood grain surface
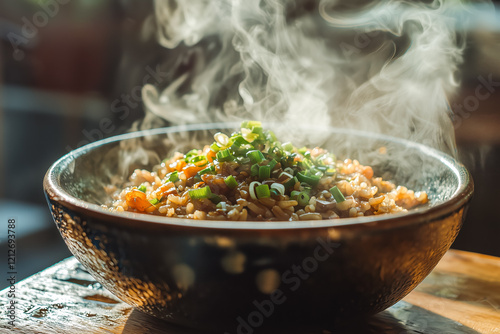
[(461, 295)]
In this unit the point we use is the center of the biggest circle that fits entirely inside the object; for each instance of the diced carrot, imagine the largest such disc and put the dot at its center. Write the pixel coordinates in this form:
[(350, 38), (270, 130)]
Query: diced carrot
[(191, 170), (180, 165), (137, 199), (211, 155)]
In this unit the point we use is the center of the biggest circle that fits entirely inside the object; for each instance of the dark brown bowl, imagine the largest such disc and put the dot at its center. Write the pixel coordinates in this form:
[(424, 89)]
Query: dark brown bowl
[(240, 275)]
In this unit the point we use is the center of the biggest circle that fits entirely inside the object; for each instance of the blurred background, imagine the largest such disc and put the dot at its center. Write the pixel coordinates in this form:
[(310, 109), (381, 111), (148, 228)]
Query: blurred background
[(71, 73)]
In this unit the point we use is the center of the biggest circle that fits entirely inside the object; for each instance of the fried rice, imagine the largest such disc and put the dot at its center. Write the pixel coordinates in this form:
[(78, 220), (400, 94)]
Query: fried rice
[(250, 175)]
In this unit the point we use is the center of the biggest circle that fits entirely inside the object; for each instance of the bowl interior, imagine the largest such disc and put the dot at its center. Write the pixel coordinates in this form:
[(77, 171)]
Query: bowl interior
[(82, 176)]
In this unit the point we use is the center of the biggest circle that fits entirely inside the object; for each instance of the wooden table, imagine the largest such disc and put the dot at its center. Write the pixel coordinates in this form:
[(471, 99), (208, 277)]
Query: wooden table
[(461, 295)]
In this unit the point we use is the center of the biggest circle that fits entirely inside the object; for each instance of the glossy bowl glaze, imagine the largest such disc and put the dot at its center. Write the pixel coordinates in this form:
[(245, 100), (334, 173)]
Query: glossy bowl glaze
[(238, 276)]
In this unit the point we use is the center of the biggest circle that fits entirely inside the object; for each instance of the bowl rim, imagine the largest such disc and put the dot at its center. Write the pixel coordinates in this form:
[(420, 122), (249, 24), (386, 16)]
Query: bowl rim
[(461, 196)]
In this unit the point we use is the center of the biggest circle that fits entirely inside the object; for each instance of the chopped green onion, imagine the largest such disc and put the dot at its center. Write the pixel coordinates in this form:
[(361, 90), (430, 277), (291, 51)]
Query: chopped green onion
[(316, 172), (272, 163), (288, 175), (197, 158), (154, 201), (287, 147), (303, 199), (251, 124), (271, 137), (255, 155), (306, 164), (199, 193), (243, 160), (337, 194), (258, 130), (174, 177), (290, 183), (224, 155), (275, 152), (254, 170), (208, 170), (190, 154), (222, 139), (231, 182), (222, 206), (251, 189), (263, 191), (238, 141), (214, 147), (305, 188), (275, 192), (294, 194), (216, 199), (312, 180), (330, 172), (289, 170), (264, 173), (278, 187), (142, 188)]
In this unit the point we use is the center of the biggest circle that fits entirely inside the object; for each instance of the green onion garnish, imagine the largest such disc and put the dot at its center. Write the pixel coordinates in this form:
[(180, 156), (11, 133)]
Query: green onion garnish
[(272, 163), (224, 155), (199, 193), (215, 198), (263, 191), (337, 194), (197, 159), (258, 130), (154, 201), (315, 171), (330, 171), (287, 146), (231, 182), (243, 160), (290, 183), (278, 187), (190, 154), (294, 194), (251, 124), (264, 172), (312, 180), (174, 177), (306, 188), (254, 170), (142, 188), (208, 170), (306, 164), (239, 140), (214, 147), (255, 156), (303, 199)]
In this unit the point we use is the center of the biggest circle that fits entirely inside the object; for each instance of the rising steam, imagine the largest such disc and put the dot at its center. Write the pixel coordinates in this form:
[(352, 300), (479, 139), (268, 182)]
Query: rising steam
[(385, 67)]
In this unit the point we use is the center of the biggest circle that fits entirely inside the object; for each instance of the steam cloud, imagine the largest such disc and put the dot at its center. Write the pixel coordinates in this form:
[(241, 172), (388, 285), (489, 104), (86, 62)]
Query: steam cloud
[(385, 67)]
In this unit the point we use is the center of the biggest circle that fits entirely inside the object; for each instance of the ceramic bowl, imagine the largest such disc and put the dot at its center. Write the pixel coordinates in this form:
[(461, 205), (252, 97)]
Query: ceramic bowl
[(238, 276)]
